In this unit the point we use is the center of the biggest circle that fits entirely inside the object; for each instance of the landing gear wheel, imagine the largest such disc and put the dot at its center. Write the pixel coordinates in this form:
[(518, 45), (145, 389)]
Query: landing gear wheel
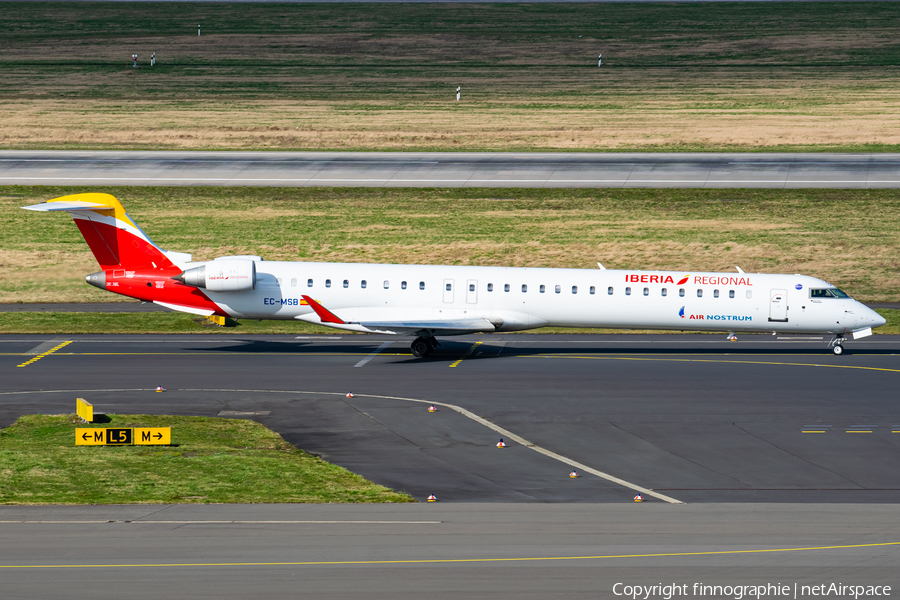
[(838, 349), (421, 348)]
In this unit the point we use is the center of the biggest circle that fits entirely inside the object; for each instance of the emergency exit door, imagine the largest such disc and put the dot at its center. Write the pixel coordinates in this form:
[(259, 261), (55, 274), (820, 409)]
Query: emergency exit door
[(778, 306), (471, 291), (448, 291)]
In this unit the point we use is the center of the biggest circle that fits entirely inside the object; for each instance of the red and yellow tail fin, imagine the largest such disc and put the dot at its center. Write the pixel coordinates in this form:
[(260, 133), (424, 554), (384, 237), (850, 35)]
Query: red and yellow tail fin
[(115, 240)]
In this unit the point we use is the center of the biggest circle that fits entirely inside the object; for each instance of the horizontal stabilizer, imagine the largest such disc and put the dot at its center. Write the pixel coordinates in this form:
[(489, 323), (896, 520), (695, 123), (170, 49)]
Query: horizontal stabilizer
[(69, 206)]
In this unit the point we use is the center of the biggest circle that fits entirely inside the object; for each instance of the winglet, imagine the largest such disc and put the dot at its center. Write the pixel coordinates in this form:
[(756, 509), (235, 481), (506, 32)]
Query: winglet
[(326, 315)]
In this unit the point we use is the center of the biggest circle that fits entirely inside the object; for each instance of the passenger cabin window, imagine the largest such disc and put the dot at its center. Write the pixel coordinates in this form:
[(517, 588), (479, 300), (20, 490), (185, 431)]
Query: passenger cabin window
[(362, 284), (346, 283), (471, 287), (490, 287), (628, 291), (421, 285), (715, 293), (524, 288), (664, 291), (294, 282), (574, 289), (449, 287), (402, 285), (646, 291), (558, 289), (309, 283), (593, 290), (609, 290), (543, 288), (731, 293), (387, 284), (328, 283), (505, 287), (749, 294), (699, 293), (681, 292)]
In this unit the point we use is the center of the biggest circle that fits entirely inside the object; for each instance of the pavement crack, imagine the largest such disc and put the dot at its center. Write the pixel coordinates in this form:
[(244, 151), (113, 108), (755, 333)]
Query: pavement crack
[(807, 461), (684, 458)]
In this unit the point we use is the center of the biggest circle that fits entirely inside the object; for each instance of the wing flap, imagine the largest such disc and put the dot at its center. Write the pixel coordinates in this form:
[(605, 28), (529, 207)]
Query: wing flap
[(443, 327)]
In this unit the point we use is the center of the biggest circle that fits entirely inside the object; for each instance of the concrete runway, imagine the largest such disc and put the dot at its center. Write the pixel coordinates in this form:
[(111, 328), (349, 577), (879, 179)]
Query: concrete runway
[(443, 169), (487, 551)]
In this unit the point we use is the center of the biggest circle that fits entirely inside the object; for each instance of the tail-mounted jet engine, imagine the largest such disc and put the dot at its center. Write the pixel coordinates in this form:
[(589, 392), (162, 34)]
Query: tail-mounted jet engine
[(222, 276)]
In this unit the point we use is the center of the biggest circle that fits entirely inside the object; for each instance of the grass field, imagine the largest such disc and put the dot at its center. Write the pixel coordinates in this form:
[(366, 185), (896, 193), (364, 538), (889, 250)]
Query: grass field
[(847, 237), (210, 461), (709, 76)]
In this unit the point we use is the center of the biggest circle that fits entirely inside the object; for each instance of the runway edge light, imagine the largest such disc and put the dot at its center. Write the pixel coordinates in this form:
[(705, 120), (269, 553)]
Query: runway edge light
[(349, 394), (432, 408), (160, 388), (574, 474), (501, 443), (638, 498), (432, 498)]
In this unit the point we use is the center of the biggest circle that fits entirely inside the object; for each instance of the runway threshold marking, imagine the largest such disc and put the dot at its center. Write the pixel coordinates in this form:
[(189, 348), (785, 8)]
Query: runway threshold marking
[(433, 561), (373, 354), (46, 353), (466, 355), (697, 360), (467, 413)]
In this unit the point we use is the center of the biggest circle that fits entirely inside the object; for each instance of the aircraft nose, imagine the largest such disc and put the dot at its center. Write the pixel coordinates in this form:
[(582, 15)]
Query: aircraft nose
[(878, 320)]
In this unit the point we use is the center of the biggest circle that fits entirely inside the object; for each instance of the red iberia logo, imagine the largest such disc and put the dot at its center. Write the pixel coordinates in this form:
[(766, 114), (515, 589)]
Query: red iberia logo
[(698, 279)]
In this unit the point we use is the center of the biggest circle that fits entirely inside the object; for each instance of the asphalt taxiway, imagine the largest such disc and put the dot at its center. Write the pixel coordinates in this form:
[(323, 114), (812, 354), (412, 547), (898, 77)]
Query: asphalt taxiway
[(450, 169), (692, 418), (765, 461)]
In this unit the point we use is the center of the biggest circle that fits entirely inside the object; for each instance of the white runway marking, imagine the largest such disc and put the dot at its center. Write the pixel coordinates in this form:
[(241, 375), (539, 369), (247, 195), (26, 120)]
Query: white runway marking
[(375, 353)]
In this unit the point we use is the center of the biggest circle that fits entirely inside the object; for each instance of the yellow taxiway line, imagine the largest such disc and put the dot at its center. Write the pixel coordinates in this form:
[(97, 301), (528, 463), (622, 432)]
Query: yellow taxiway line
[(433, 561), (698, 360), (43, 354)]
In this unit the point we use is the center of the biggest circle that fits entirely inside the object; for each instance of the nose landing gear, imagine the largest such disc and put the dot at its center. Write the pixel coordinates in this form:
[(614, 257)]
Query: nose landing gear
[(837, 345), (422, 346)]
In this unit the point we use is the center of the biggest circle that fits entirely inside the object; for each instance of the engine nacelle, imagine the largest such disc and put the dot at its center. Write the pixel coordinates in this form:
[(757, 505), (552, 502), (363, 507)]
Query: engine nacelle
[(228, 275)]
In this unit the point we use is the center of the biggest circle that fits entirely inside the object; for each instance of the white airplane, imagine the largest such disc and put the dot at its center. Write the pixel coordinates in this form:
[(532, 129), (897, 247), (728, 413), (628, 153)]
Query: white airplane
[(424, 301)]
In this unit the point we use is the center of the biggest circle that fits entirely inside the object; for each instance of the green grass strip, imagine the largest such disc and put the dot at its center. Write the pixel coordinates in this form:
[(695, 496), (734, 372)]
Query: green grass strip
[(210, 461)]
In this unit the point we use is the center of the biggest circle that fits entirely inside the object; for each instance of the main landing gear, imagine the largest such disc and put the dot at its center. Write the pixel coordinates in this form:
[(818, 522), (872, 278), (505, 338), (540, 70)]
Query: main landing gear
[(422, 346), (837, 345)]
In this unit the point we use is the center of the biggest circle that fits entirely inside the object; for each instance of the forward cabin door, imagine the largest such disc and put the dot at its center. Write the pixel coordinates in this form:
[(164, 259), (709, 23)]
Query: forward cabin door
[(778, 306), (448, 291), (471, 291)]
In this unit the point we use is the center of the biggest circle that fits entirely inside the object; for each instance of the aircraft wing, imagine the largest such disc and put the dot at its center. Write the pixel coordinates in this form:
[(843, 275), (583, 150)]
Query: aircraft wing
[(441, 327)]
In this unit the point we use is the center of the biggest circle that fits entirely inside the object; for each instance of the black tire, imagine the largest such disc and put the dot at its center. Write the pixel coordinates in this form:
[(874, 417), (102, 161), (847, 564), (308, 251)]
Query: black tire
[(838, 349), (420, 348)]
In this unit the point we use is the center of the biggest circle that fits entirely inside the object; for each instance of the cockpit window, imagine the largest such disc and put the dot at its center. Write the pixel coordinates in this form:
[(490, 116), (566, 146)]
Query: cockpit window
[(827, 293)]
